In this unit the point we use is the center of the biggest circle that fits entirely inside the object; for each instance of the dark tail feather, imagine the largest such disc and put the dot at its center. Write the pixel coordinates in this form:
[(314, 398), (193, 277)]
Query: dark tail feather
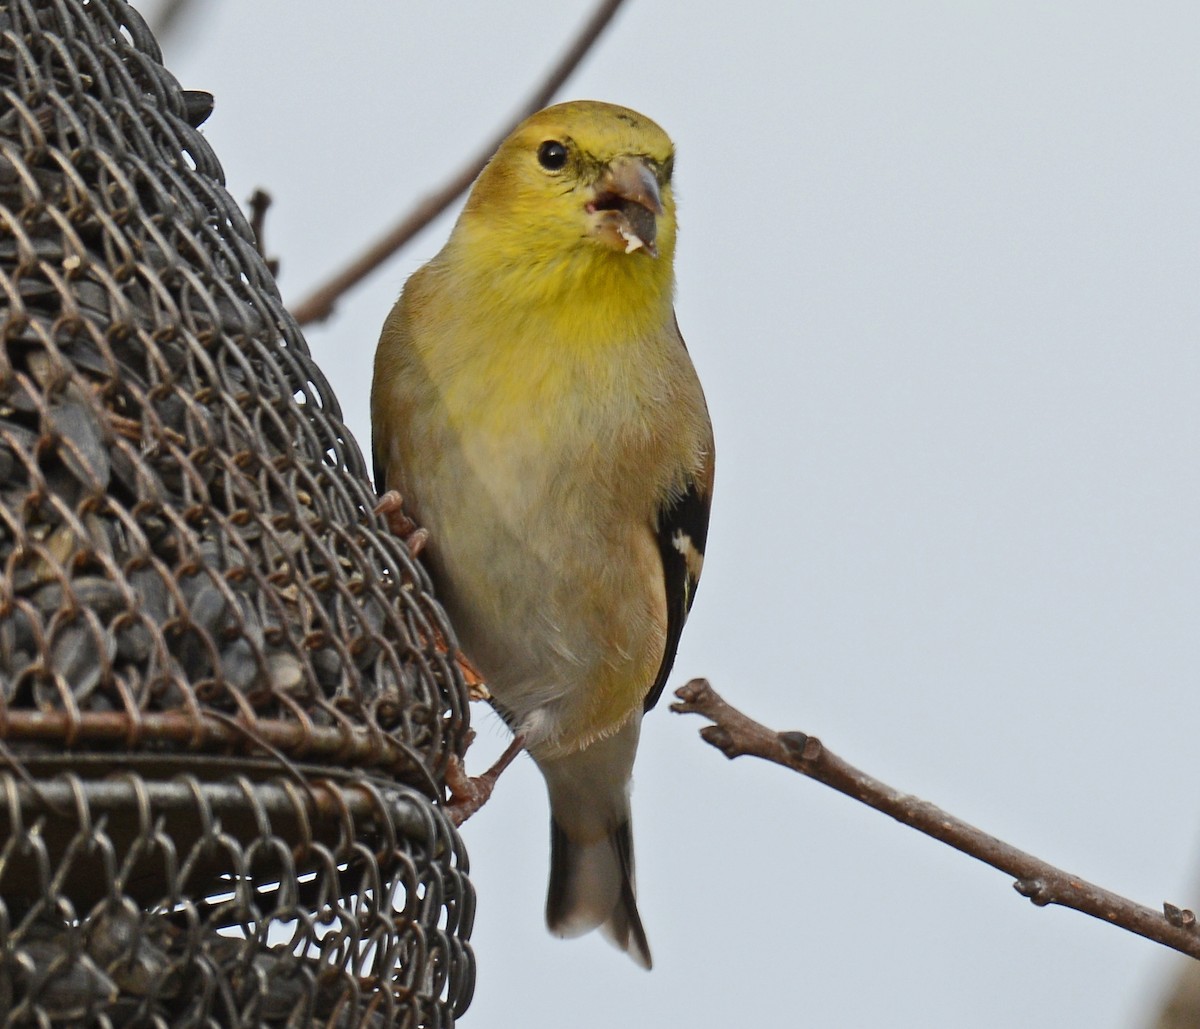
[(591, 886)]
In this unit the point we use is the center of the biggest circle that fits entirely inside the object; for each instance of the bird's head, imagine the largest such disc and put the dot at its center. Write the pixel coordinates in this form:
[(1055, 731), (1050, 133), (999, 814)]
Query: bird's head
[(579, 189)]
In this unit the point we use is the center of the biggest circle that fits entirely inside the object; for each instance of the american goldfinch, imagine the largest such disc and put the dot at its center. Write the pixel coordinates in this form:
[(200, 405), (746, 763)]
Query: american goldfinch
[(535, 406)]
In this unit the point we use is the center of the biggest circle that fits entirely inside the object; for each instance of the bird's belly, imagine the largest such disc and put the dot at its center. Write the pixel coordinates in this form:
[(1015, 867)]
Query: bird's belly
[(547, 585)]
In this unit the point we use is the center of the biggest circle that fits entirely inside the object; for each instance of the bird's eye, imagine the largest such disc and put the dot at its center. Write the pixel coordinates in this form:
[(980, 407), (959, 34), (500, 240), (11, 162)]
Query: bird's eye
[(552, 155)]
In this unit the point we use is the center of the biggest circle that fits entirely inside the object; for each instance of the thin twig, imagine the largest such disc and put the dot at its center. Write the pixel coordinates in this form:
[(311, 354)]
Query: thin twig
[(168, 18), (319, 304), (260, 203), (734, 734)]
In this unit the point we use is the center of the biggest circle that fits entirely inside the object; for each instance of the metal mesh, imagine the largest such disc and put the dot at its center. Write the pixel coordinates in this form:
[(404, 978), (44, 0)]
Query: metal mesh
[(192, 583), (132, 902)]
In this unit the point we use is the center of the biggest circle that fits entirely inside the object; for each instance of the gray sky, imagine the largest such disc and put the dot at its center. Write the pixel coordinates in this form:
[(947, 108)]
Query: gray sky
[(938, 270)]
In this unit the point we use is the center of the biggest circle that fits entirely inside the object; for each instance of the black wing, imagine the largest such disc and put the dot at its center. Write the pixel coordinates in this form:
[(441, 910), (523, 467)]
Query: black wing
[(681, 531), (380, 475)]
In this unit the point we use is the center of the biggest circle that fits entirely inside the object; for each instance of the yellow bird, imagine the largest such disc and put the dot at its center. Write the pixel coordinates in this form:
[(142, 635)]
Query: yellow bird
[(535, 406)]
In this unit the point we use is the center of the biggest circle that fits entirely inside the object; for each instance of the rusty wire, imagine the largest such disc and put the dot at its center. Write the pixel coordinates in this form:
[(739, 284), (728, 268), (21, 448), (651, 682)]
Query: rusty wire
[(191, 578)]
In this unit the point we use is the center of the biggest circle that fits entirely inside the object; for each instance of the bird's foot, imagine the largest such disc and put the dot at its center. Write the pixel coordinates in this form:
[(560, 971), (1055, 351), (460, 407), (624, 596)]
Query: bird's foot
[(391, 506), (473, 677), (469, 793)]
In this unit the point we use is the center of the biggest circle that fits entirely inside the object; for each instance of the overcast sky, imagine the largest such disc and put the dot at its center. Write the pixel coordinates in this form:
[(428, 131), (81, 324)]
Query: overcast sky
[(938, 270)]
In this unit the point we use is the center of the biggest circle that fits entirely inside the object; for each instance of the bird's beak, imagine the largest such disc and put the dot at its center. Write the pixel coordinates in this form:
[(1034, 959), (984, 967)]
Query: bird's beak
[(627, 202)]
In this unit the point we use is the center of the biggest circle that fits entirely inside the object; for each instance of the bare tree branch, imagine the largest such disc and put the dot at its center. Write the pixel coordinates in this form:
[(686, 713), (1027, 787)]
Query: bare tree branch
[(167, 19), (734, 734), (319, 304), (260, 203), (1180, 1009)]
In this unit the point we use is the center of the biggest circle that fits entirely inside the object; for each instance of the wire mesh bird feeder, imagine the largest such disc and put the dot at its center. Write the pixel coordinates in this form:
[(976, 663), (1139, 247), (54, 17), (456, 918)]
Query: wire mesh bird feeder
[(227, 704)]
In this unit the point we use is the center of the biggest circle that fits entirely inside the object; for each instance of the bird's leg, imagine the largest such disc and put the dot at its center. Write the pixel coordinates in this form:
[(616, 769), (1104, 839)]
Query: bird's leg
[(468, 794), (391, 506)]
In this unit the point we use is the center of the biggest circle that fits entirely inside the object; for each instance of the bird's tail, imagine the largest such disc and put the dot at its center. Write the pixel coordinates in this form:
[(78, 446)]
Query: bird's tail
[(591, 843)]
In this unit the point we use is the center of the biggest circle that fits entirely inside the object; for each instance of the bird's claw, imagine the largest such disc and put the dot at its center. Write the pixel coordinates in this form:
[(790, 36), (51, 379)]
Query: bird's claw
[(469, 793), (473, 677), (391, 506)]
